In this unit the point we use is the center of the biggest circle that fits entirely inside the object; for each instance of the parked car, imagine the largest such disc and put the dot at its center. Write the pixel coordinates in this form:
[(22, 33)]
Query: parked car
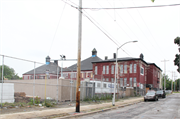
[(151, 95), (161, 93)]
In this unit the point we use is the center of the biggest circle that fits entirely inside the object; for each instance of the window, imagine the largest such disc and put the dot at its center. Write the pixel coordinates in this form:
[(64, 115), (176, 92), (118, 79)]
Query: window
[(104, 85), (107, 79), (91, 74), (112, 80), (134, 68), (98, 85), (107, 69), (142, 71), (121, 82), (112, 69), (104, 69), (134, 82), (121, 69), (125, 82), (95, 69), (130, 82), (130, 70), (103, 79), (125, 68)]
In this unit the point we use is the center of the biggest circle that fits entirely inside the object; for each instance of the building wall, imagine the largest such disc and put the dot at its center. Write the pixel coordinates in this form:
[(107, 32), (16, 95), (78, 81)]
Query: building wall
[(124, 74)]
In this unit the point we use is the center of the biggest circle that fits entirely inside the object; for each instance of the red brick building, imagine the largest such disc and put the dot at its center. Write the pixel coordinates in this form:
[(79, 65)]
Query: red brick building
[(131, 72)]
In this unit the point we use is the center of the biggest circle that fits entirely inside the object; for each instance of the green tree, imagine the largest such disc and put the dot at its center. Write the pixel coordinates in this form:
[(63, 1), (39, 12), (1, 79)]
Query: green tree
[(8, 73), (176, 60), (168, 82)]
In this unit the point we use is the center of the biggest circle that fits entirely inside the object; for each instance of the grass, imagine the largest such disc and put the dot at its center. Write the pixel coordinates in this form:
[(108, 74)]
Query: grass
[(176, 92)]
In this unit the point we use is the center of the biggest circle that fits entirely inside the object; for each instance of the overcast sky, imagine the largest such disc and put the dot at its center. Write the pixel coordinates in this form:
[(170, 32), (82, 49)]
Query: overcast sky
[(34, 29)]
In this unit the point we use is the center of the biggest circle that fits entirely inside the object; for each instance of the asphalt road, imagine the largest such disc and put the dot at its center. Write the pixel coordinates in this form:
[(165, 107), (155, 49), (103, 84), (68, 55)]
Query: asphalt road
[(168, 108)]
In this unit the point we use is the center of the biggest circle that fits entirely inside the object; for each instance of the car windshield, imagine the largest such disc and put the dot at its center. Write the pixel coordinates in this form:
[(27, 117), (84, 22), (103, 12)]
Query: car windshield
[(150, 93), (159, 92)]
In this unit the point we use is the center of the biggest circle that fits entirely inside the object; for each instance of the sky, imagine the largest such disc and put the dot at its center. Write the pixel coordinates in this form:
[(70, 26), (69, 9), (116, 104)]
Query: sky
[(34, 29)]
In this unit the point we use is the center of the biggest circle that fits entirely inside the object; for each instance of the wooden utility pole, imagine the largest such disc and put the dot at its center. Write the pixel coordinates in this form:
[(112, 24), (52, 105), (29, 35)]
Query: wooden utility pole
[(79, 59)]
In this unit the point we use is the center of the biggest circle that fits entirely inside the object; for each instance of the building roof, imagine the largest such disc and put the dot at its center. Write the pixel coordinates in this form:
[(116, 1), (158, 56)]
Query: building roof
[(85, 64), (154, 65), (52, 67), (120, 59), (126, 59)]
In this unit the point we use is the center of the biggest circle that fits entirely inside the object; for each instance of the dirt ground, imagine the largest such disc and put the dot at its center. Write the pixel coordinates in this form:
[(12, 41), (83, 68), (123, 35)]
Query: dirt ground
[(8, 110)]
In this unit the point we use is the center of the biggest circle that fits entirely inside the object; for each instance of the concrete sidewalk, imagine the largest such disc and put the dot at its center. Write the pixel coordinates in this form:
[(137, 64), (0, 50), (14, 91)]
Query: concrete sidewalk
[(70, 112)]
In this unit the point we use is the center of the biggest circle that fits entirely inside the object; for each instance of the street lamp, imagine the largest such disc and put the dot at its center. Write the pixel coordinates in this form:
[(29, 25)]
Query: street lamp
[(63, 57), (116, 69)]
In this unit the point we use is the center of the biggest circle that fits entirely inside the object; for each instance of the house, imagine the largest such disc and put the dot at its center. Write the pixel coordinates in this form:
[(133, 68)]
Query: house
[(131, 72), (86, 68), (40, 72)]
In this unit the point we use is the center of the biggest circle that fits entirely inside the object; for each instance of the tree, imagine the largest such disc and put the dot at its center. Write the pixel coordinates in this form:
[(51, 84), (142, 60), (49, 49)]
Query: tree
[(8, 73), (176, 60), (168, 82)]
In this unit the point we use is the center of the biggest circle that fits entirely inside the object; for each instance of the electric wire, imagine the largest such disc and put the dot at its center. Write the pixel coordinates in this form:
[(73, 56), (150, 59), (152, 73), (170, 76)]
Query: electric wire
[(118, 25), (57, 28), (96, 26), (134, 7), (130, 30), (148, 28), (103, 31)]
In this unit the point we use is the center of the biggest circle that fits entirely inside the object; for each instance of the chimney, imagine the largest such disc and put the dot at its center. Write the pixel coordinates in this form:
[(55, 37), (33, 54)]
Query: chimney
[(94, 53), (106, 57), (56, 62), (48, 60), (141, 56), (114, 55)]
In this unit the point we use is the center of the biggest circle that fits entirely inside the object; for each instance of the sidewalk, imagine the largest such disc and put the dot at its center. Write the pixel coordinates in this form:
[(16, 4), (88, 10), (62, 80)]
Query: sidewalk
[(62, 113)]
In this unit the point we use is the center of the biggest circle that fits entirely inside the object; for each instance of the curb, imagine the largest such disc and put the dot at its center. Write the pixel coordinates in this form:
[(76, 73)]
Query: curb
[(99, 110)]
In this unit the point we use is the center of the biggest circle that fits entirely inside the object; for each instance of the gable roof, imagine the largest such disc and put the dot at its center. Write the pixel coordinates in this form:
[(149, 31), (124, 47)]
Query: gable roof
[(52, 67), (85, 64)]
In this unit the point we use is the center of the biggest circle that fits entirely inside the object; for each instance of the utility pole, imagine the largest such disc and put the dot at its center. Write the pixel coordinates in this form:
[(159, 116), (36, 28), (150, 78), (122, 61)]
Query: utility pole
[(174, 82), (79, 58), (165, 73)]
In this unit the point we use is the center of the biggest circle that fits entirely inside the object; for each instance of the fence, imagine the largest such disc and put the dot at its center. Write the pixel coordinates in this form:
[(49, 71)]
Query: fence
[(36, 82)]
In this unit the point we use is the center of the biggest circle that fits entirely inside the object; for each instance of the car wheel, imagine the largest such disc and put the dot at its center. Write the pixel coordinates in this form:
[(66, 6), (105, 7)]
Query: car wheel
[(157, 99), (144, 100)]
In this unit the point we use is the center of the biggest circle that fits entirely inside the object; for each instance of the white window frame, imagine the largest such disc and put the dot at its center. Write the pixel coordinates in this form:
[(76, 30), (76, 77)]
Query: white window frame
[(107, 69), (104, 68), (121, 82), (142, 69), (125, 82), (112, 69), (125, 68), (130, 82), (130, 69), (121, 68), (112, 80), (135, 68), (96, 70), (135, 81)]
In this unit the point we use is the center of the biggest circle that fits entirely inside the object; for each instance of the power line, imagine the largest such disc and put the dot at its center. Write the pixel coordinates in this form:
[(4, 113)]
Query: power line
[(57, 27), (147, 27), (134, 7)]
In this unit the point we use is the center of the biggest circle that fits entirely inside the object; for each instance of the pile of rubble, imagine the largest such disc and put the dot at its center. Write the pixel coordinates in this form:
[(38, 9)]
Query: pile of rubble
[(21, 97)]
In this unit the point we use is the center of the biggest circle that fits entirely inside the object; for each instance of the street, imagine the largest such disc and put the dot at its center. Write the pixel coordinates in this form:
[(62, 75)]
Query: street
[(168, 108)]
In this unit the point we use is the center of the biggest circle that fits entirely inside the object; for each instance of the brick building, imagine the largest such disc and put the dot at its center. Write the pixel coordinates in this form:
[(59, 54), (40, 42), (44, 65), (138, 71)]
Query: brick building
[(131, 72)]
